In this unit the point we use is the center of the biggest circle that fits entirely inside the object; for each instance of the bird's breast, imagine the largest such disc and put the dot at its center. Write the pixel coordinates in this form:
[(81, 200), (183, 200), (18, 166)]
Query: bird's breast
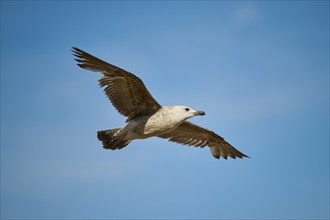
[(156, 125), (152, 125)]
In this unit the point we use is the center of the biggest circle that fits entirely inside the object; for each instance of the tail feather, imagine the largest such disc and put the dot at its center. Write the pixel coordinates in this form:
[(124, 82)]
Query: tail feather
[(110, 139)]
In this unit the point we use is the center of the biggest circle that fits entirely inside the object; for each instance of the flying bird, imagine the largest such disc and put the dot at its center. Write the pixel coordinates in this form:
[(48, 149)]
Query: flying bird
[(145, 116)]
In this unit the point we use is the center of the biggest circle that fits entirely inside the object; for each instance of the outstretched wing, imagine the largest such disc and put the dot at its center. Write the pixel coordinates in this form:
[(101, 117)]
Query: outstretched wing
[(126, 91), (190, 134)]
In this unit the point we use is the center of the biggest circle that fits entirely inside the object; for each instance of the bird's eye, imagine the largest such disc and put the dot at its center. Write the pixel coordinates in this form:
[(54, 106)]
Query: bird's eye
[(187, 109)]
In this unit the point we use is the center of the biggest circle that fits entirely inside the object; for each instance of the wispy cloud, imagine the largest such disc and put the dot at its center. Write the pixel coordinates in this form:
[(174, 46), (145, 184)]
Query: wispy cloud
[(246, 15)]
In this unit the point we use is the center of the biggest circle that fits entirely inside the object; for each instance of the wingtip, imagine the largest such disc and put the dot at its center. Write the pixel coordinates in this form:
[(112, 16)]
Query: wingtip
[(80, 65), (242, 156), (75, 49), (216, 153), (77, 52)]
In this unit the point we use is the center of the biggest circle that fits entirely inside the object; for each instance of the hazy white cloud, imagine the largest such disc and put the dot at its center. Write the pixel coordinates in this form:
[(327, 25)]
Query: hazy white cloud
[(246, 14)]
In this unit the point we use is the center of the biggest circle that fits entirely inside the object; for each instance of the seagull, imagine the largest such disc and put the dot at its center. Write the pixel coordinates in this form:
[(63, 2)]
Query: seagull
[(145, 116)]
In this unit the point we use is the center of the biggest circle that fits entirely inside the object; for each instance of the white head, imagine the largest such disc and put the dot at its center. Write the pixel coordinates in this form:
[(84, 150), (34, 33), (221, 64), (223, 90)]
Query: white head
[(182, 113)]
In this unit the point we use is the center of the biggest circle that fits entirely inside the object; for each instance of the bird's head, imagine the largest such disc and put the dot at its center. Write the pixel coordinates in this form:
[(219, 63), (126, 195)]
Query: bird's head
[(184, 112)]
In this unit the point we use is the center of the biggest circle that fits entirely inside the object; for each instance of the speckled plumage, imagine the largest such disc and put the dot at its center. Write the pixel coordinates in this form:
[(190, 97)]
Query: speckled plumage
[(145, 116)]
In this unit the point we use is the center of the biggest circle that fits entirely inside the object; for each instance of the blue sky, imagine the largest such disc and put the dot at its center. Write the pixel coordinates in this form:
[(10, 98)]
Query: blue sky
[(260, 71)]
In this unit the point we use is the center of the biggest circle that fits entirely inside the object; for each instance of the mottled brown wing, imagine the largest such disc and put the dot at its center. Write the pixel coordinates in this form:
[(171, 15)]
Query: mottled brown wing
[(190, 134), (126, 91)]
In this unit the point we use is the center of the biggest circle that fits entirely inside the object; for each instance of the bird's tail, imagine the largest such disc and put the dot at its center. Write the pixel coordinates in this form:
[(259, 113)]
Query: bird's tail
[(111, 140)]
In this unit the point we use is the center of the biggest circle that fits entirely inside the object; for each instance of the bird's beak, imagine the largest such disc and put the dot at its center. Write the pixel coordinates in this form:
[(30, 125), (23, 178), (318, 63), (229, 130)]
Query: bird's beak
[(199, 113)]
